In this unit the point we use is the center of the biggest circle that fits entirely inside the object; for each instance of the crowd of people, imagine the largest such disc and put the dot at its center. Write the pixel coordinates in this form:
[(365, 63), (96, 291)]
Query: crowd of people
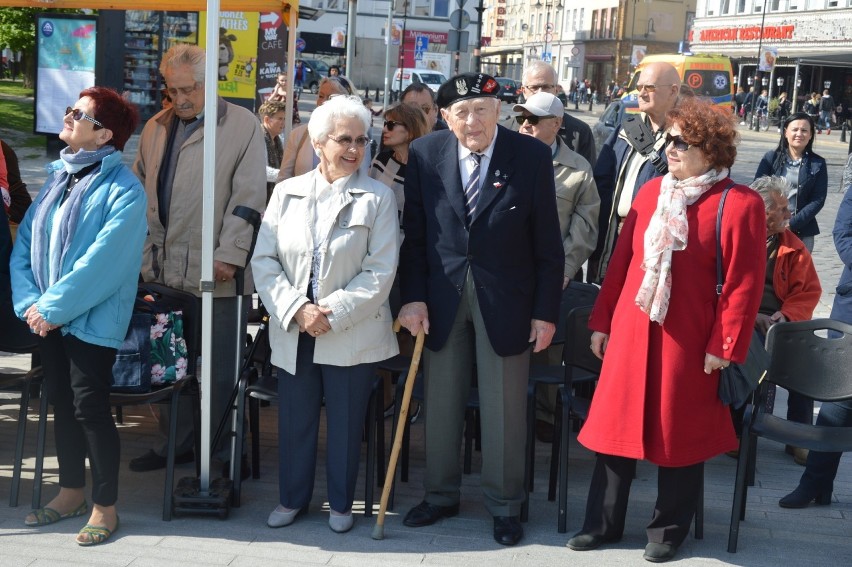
[(475, 227)]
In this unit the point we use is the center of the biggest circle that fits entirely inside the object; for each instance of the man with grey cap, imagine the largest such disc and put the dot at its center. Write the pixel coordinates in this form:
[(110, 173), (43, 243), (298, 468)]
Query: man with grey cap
[(577, 204), (481, 272)]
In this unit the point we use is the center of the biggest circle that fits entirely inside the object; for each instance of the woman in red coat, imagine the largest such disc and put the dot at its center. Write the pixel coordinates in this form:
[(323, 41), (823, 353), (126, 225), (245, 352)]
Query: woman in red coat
[(664, 334)]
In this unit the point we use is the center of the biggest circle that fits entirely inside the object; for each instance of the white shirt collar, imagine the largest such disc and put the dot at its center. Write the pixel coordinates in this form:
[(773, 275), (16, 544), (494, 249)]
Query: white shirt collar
[(486, 153)]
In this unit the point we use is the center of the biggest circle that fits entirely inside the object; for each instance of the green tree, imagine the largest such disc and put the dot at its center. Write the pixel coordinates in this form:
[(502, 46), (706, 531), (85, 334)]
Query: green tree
[(18, 33)]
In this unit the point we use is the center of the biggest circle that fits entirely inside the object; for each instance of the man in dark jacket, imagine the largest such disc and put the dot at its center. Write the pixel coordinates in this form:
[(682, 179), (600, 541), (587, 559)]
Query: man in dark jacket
[(621, 170)]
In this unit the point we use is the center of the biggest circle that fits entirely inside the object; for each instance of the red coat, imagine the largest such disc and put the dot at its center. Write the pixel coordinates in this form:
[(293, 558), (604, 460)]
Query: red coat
[(795, 280), (653, 400)]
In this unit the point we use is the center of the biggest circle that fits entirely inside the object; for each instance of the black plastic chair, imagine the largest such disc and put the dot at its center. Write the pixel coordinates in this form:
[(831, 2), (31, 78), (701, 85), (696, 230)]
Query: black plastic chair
[(577, 294), (191, 307), (17, 338), (804, 362)]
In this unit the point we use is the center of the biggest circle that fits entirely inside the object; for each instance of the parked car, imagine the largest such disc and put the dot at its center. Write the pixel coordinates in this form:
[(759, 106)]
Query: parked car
[(509, 89), (404, 77), (315, 70), (609, 120)]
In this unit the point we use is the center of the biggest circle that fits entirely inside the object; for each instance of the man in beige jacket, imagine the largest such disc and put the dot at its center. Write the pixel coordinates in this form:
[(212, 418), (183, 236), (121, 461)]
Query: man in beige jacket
[(169, 164), (577, 203)]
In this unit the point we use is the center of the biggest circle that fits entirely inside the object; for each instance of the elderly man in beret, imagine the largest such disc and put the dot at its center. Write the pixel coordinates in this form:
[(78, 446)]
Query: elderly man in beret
[(481, 272)]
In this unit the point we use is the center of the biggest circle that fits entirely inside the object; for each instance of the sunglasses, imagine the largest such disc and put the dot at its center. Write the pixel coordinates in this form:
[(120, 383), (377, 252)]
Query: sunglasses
[(391, 124), (360, 141), (677, 143), (78, 115), (533, 88), (533, 120), (650, 87)]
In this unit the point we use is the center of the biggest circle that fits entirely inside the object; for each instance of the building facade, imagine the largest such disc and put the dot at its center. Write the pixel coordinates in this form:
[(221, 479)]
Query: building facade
[(802, 46)]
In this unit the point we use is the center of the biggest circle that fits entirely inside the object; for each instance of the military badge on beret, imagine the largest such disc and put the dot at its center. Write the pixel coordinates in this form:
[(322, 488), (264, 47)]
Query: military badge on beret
[(467, 85)]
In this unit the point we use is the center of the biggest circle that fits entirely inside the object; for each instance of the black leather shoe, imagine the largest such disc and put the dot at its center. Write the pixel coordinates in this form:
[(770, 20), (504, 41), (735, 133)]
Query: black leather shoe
[(543, 431), (507, 530), (151, 461), (802, 498), (659, 552), (425, 514), (245, 469), (588, 542)]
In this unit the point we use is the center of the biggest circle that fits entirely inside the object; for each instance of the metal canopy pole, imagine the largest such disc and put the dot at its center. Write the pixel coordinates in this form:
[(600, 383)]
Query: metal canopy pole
[(207, 285)]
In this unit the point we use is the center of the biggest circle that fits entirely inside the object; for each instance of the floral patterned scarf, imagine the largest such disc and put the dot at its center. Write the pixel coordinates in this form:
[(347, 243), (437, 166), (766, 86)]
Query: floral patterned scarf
[(667, 232)]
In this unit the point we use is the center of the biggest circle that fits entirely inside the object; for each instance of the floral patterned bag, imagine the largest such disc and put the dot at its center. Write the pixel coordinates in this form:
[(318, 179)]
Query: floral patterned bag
[(154, 352)]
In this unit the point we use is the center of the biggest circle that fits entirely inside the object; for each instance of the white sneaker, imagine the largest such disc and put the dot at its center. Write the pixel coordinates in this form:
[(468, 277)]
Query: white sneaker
[(281, 517), (340, 523)]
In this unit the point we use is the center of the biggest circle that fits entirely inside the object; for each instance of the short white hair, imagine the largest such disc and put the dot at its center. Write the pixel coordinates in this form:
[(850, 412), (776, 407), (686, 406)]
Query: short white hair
[(334, 109)]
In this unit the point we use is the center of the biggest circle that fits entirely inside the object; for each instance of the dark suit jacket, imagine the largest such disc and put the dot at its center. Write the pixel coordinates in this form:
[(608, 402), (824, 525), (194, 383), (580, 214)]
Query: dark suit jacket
[(577, 135), (513, 247)]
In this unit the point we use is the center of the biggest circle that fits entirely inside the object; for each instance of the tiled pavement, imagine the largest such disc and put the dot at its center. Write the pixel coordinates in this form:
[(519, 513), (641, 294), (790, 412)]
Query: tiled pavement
[(771, 536)]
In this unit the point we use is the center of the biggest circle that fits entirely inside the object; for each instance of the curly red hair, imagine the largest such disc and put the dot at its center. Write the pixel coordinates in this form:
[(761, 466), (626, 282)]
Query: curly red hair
[(708, 127)]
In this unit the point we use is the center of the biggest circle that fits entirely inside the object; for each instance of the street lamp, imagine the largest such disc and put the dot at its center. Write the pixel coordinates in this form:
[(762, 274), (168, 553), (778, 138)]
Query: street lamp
[(750, 81), (548, 27), (827, 85), (764, 81), (633, 31), (779, 81)]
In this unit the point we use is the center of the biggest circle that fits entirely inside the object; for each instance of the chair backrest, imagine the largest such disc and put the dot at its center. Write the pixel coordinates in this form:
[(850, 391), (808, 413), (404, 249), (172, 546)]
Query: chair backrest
[(16, 336), (576, 352), (191, 307), (577, 294), (804, 362)]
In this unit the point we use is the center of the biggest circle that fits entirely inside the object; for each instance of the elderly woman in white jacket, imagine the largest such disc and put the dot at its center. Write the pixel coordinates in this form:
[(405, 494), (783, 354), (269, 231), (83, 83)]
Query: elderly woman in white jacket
[(324, 263)]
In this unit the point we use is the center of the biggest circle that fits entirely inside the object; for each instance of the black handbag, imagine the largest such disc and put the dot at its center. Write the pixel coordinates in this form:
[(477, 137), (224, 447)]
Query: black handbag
[(738, 381)]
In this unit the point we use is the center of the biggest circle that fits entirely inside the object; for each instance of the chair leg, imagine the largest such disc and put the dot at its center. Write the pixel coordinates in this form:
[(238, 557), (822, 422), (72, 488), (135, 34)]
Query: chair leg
[(740, 489), (239, 429), (119, 415), (19, 445), (558, 418), (40, 443), (564, 408)]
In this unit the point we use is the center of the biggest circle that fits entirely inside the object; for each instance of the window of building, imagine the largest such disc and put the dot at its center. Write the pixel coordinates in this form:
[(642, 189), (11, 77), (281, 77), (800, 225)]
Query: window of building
[(758, 7), (613, 22), (594, 24), (741, 4), (539, 28), (442, 9)]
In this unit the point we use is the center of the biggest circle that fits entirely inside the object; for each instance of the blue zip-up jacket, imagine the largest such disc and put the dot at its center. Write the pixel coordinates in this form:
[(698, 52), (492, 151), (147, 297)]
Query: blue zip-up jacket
[(93, 297)]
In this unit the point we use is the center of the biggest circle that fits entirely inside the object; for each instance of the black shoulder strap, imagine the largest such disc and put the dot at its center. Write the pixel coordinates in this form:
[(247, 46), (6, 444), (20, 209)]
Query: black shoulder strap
[(642, 140), (719, 280)]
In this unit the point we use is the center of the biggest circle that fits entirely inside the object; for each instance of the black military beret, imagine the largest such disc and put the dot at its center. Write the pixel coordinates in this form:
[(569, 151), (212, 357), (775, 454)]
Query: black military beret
[(467, 85)]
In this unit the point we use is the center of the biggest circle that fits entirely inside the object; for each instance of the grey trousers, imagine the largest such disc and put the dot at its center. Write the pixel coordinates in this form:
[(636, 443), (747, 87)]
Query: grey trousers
[(502, 383)]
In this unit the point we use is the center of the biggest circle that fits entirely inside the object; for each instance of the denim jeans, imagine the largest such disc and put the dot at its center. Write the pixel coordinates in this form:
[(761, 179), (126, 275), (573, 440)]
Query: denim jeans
[(821, 468), (825, 119)]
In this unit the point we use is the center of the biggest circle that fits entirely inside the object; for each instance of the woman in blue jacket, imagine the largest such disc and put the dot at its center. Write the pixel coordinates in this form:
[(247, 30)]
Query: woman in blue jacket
[(795, 160), (74, 271)]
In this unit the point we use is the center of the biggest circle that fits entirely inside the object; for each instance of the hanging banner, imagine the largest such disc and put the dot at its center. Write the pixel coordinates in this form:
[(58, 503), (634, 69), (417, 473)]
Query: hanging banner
[(237, 53), (395, 33), (271, 53), (65, 65), (638, 54), (338, 36), (768, 55)]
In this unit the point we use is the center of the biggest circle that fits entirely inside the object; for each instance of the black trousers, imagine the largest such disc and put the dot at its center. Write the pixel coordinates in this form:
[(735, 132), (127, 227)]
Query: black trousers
[(77, 377), (678, 492)]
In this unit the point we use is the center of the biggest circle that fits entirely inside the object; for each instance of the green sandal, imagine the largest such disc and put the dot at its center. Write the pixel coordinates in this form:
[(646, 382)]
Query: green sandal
[(95, 535), (46, 516)]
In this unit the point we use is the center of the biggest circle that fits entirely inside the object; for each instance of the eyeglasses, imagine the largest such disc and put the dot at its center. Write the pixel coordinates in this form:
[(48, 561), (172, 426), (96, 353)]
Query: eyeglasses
[(391, 124), (533, 120), (185, 91), (677, 143), (535, 88), (650, 87), (359, 142), (78, 115)]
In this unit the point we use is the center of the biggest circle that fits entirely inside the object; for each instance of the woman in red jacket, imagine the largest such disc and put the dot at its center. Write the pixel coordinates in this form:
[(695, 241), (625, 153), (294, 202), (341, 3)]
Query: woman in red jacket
[(664, 333)]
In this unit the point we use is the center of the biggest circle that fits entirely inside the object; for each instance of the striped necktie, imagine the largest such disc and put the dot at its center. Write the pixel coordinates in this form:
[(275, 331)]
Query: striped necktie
[(471, 190)]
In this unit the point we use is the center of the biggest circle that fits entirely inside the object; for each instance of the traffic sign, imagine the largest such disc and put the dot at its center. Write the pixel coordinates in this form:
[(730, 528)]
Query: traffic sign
[(459, 19), (546, 56), (300, 44), (548, 27), (421, 45)]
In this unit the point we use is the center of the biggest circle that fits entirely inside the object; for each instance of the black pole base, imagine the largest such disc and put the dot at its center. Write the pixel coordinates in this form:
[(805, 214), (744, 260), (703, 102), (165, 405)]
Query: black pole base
[(189, 500)]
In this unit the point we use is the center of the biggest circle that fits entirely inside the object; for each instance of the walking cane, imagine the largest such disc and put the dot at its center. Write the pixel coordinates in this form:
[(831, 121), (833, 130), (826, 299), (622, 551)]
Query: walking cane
[(379, 528)]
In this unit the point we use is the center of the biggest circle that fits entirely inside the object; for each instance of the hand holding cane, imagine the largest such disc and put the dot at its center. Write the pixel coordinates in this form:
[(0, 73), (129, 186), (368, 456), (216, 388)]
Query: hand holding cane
[(379, 528)]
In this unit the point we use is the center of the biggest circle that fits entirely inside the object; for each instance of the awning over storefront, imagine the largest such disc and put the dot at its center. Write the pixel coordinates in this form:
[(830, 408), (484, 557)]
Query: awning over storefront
[(826, 59), (593, 57)]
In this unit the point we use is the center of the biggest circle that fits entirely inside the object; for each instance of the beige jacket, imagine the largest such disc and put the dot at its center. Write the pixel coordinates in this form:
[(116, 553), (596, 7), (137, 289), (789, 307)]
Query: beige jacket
[(298, 154), (173, 256), (359, 262), (578, 205)]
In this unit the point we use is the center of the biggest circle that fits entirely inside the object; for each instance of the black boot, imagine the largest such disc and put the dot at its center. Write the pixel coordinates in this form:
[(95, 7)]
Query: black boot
[(802, 498)]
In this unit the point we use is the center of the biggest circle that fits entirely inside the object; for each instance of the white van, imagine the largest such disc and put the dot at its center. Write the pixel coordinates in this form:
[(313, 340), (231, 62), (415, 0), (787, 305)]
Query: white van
[(430, 78)]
